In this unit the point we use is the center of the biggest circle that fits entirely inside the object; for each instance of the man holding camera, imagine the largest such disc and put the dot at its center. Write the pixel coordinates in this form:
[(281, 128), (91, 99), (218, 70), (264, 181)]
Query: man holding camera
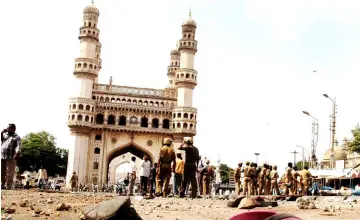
[(10, 151)]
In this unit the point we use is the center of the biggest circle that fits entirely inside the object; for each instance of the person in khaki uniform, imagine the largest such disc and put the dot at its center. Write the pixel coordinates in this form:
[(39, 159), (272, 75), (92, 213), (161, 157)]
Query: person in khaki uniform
[(237, 176), (247, 179), (261, 179), (305, 180), (208, 175), (253, 179), (74, 182), (288, 179), (191, 163), (267, 180), (166, 156), (273, 178), (295, 175)]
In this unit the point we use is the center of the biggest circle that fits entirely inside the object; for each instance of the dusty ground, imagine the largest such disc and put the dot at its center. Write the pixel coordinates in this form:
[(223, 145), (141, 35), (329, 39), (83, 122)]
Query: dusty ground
[(159, 208)]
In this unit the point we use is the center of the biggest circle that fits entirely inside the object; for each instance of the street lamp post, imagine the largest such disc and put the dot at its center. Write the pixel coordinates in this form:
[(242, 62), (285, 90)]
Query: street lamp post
[(315, 134), (333, 129), (257, 156)]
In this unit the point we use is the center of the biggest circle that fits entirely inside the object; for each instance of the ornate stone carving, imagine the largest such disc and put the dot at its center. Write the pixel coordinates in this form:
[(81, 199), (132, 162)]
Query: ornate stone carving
[(113, 140)]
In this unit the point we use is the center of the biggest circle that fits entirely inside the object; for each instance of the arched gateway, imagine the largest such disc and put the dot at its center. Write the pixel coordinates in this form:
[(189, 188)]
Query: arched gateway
[(107, 121)]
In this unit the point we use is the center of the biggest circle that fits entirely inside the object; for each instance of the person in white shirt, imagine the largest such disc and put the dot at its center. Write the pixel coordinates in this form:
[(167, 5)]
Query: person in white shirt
[(42, 177), (132, 176), (144, 175)]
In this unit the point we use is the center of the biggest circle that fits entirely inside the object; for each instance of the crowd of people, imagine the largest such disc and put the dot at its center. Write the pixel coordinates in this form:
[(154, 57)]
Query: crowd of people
[(263, 180)]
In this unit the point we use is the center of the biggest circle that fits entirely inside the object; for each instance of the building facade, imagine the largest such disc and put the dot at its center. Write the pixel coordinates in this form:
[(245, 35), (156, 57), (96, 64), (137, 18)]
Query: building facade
[(107, 121)]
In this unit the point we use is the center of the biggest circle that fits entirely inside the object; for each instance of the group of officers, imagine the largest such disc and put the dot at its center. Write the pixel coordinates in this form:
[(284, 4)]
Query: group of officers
[(263, 180), (167, 164)]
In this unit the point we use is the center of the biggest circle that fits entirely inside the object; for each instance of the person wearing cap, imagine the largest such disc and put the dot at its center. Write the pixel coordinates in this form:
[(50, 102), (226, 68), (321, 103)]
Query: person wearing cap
[(74, 182), (190, 166), (288, 179), (262, 179), (237, 175), (10, 152), (166, 157), (274, 181), (247, 178)]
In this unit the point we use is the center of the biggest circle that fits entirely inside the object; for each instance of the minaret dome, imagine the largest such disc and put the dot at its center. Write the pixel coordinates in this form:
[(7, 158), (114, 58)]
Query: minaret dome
[(91, 9)]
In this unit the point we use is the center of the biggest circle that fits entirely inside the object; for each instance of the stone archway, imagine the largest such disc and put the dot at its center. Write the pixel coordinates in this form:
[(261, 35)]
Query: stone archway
[(131, 147)]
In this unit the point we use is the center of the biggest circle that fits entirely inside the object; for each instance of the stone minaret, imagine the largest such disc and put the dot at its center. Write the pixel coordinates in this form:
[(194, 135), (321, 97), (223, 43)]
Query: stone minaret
[(81, 113), (184, 122), (174, 65)]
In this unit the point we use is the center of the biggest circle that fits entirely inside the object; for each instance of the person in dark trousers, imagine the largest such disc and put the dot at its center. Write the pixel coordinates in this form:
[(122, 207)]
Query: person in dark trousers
[(152, 179)]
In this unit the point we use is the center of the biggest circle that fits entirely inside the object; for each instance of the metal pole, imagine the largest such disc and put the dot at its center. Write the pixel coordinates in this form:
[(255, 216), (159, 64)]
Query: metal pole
[(257, 157), (294, 152), (303, 155), (333, 133)]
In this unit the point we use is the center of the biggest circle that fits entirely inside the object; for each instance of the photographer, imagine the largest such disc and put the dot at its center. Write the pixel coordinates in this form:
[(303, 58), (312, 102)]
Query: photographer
[(10, 151)]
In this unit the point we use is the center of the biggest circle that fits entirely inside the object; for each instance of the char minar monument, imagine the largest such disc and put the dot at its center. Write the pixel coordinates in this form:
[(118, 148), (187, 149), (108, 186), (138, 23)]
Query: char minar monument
[(107, 121)]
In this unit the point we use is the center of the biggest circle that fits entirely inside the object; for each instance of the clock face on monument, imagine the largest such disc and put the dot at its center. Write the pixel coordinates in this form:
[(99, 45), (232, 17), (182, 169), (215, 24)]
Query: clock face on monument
[(133, 120)]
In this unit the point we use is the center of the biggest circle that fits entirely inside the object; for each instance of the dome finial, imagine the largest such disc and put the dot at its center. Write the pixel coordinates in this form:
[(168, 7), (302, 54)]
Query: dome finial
[(92, 2), (189, 12)]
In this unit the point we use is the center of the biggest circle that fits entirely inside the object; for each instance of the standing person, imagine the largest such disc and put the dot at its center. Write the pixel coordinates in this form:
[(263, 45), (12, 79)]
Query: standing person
[(10, 152), (252, 178), (190, 166), (145, 167), (42, 177), (200, 166), (274, 178), (267, 180), (179, 171), (247, 178), (132, 176), (166, 156), (152, 179), (262, 179), (288, 179), (295, 175), (305, 179), (74, 182), (208, 175), (237, 176)]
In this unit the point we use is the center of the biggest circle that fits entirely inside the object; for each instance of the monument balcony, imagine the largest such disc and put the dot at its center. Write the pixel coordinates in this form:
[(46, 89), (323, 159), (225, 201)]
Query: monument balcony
[(135, 91), (82, 105), (124, 106), (188, 44), (184, 131), (90, 32), (79, 100), (75, 123), (136, 129)]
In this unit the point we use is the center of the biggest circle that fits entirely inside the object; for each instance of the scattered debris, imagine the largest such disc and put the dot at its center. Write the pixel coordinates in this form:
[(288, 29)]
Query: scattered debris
[(248, 203)]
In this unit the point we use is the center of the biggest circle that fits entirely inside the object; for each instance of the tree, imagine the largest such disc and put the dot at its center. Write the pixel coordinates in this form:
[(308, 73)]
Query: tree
[(224, 172), (299, 165), (39, 150), (355, 143)]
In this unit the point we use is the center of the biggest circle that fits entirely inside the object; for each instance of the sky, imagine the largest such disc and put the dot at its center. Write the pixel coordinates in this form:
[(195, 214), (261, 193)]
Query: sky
[(255, 63)]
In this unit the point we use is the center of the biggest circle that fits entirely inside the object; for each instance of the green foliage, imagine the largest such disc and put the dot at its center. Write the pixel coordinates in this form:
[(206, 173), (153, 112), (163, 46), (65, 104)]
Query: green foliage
[(224, 172), (355, 143), (299, 165), (39, 149)]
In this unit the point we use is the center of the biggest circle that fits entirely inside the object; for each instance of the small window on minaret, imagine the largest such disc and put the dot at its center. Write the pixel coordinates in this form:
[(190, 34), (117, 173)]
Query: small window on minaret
[(189, 36), (98, 137), (90, 24)]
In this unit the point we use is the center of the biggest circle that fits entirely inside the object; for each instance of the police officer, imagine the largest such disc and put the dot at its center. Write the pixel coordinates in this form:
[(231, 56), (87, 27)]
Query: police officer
[(191, 163), (163, 175)]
